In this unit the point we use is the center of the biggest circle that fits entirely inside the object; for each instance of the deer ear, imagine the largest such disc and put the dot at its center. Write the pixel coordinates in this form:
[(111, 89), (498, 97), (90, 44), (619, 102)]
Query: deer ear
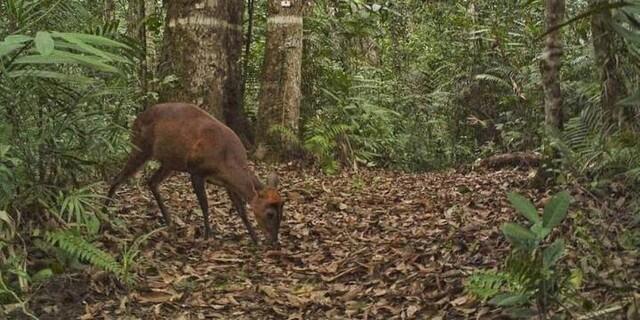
[(272, 180)]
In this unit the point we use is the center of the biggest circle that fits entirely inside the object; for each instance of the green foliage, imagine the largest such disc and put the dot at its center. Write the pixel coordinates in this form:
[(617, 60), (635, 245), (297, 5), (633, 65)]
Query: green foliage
[(556, 210), (66, 99), (7, 174), (324, 140), (8, 293), (519, 236), (79, 207), (600, 155), (530, 276), (487, 284), (451, 100), (593, 150), (524, 207), (75, 245), (130, 258), (455, 100)]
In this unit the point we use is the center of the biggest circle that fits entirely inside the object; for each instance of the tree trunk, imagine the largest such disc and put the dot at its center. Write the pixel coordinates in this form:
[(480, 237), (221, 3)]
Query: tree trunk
[(247, 46), (137, 29), (604, 47), (202, 47), (279, 100), (109, 7), (550, 66)]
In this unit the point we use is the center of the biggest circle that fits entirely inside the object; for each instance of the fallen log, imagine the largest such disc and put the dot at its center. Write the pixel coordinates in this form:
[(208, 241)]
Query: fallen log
[(513, 159)]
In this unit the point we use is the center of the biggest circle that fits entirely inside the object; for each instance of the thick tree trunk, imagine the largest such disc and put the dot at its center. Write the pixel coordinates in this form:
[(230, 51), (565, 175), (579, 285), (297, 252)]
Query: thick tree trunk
[(550, 66), (136, 29), (604, 47), (279, 101), (202, 47)]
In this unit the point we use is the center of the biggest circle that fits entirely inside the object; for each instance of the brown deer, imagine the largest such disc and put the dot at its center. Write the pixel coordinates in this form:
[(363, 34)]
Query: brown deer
[(183, 137)]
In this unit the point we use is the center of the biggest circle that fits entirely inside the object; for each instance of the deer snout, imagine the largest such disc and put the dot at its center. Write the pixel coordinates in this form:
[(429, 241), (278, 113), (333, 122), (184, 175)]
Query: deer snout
[(272, 226), (273, 240)]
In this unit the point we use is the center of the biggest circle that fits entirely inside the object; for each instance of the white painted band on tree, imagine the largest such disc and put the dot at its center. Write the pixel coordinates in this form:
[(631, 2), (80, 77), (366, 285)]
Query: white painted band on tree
[(202, 20), (285, 20)]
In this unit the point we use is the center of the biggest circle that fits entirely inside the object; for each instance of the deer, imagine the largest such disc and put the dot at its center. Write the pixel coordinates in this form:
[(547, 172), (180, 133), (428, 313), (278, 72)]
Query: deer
[(184, 138)]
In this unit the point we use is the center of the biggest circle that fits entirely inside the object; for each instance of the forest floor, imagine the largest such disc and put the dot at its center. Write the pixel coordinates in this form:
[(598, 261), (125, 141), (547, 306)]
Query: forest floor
[(368, 244)]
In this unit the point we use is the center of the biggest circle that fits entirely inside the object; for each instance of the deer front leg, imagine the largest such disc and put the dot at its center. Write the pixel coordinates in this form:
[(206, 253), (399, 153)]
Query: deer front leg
[(198, 183), (242, 212)]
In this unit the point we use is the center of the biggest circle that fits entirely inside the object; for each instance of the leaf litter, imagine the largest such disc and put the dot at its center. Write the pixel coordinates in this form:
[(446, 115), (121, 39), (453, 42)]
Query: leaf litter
[(371, 244)]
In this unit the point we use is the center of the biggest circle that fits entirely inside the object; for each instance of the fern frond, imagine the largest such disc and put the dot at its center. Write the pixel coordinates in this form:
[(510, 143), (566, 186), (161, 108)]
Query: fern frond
[(522, 270), (486, 284), (494, 79), (83, 250), (285, 134)]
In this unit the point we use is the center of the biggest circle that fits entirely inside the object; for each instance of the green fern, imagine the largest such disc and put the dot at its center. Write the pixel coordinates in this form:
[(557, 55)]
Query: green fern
[(284, 133), (494, 79), (519, 275), (591, 150), (523, 270), (486, 284), (83, 250), (322, 139), (131, 253), (530, 275)]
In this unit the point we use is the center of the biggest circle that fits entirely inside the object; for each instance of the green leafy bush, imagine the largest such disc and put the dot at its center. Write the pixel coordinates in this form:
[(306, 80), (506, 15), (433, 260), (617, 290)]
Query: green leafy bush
[(531, 281), (66, 97)]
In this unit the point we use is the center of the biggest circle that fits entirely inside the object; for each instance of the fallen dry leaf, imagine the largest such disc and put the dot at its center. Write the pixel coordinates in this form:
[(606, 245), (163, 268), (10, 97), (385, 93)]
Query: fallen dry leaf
[(371, 244)]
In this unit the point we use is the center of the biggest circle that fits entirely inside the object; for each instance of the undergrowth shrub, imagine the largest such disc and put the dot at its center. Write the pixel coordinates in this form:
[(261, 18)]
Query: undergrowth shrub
[(531, 282), (66, 99)]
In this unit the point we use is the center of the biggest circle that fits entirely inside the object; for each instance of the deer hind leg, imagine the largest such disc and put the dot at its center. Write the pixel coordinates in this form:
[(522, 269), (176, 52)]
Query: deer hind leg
[(134, 163), (154, 182), (198, 183)]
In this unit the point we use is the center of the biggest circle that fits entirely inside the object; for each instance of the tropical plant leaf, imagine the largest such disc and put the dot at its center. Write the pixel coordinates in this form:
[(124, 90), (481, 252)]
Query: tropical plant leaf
[(71, 38), (42, 59), (556, 210), (518, 235), (509, 299), (42, 275), (95, 40), (540, 231), (44, 43), (552, 253), (17, 38), (84, 250), (49, 75), (524, 207), (6, 48), (63, 57)]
